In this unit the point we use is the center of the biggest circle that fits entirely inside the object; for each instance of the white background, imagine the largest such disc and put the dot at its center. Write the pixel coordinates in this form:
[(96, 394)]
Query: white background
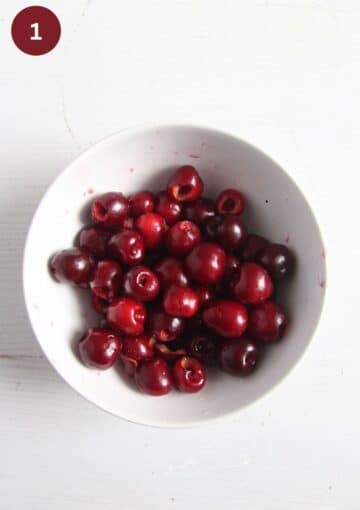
[(281, 74)]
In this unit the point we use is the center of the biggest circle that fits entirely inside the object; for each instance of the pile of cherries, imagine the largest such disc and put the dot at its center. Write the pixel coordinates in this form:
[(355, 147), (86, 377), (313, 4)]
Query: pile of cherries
[(179, 284)]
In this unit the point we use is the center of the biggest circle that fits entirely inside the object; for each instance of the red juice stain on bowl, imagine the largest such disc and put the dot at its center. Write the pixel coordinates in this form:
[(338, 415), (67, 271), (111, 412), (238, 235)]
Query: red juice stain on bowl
[(194, 156)]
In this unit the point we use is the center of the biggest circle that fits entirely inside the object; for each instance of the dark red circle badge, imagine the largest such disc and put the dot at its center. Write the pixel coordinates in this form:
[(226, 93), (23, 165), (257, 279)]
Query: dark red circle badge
[(36, 30)]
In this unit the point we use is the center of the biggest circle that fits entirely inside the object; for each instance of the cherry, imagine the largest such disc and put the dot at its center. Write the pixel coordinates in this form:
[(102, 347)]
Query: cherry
[(185, 185), (94, 239), (99, 348), (205, 295), (141, 203), (127, 315), (201, 345), (136, 349), (267, 322), (99, 304), (171, 271), (206, 263), (154, 377), (74, 265), (182, 237), (254, 244), (227, 318), (180, 301), (168, 353), (278, 260), (231, 232), (107, 279), (169, 209), (141, 283), (252, 285), (127, 246), (230, 201), (239, 356), (152, 227), (189, 375), (163, 326), (110, 210), (211, 226), (232, 267), (199, 211)]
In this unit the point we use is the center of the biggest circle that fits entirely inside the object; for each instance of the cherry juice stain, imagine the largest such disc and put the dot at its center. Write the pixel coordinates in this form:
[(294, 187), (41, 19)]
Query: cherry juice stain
[(194, 156), (131, 170), (90, 191), (324, 253), (322, 282), (287, 239)]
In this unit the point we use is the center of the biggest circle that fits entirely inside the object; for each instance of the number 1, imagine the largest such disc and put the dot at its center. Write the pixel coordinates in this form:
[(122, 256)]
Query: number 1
[(36, 36)]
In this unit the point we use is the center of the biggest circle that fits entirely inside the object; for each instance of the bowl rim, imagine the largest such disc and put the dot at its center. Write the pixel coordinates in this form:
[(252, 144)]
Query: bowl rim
[(130, 131)]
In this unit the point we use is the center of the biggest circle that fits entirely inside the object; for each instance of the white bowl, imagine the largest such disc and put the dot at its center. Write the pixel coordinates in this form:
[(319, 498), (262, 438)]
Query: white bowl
[(142, 158)]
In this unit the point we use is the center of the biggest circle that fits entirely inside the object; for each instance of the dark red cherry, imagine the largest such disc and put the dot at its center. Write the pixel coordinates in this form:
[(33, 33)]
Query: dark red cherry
[(127, 246), (227, 318), (232, 267), (230, 201), (199, 211), (189, 375), (153, 376), (267, 322), (110, 210), (169, 209), (206, 263), (99, 304), (185, 185), (278, 260), (74, 265), (99, 348), (107, 279), (201, 345), (152, 227), (180, 301), (171, 271), (163, 326), (204, 294), (231, 232), (169, 353), (94, 240), (254, 244), (210, 227), (239, 356), (127, 315), (141, 203), (182, 237), (141, 283), (252, 285)]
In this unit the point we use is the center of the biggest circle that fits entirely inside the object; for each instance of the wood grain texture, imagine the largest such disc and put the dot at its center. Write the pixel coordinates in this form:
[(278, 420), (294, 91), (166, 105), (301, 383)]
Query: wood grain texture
[(282, 74)]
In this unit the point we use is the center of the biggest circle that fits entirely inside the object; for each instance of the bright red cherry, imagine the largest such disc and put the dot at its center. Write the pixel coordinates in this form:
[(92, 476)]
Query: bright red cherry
[(99, 348), (278, 260), (141, 203), (141, 283), (127, 246), (230, 201), (189, 375), (163, 326), (153, 376), (201, 345), (152, 227), (73, 265), (185, 185), (239, 356), (127, 315), (182, 237), (267, 322), (206, 263), (252, 285), (254, 244), (180, 301), (94, 240), (227, 318), (110, 210), (107, 279), (171, 271), (136, 349), (168, 209), (231, 232), (199, 211)]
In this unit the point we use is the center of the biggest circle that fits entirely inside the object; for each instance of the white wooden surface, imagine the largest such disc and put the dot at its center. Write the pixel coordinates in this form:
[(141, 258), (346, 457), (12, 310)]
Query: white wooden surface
[(282, 74)]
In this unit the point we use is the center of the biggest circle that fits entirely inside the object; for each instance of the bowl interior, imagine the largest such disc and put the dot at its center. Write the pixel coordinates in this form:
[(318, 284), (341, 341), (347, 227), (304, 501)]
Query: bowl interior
[(142, 159)]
